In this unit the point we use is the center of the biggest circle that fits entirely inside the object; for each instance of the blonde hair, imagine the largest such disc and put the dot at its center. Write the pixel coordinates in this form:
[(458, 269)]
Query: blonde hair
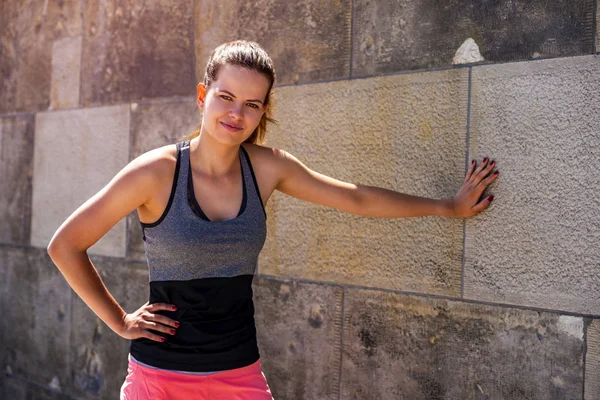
[(249, 55)]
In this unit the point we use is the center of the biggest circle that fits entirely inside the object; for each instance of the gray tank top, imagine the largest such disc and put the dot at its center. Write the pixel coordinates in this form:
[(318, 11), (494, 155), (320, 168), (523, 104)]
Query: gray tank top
[(206, 269)]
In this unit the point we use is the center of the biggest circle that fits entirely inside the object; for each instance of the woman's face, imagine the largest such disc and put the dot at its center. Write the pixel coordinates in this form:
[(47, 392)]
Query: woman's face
[(233, 104)]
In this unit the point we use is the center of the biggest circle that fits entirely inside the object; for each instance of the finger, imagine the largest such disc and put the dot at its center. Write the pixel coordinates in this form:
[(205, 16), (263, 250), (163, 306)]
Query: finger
[(153, 336), (470, 170), (483, 173), (155, 326), (482, 205), (483, 184), (478, 170), (161, 306), (162, 319)]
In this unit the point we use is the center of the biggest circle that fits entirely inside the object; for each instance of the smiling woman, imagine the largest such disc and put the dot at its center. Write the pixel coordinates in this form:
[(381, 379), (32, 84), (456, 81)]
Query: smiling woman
[(201, 204)]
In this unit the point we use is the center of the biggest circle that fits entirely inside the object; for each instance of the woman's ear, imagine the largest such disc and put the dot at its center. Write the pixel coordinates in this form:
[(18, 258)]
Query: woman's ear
[(201, 95)]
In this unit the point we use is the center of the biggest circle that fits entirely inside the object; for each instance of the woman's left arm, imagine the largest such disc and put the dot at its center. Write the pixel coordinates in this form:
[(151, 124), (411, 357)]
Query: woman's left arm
[(297, 180)]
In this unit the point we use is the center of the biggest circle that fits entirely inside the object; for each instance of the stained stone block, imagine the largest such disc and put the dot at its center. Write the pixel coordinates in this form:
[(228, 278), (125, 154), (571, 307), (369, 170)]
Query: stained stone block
[(16, 170), (155, 125), (66, 67), (36, 310), (28, 30), (538, 243), (299, 335), (77, 153), (15, 388), (99, 355), (592, 361), (404, 132), (597, 30), (403, 35), (137, 50), (407, 347), (307, 40)]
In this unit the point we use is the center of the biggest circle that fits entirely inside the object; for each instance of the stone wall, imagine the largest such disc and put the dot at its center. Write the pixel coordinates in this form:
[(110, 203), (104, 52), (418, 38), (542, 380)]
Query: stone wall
[(505, 305)]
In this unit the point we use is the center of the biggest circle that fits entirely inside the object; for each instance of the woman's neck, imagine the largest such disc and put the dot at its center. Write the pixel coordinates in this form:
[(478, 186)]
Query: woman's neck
[(212, 158)]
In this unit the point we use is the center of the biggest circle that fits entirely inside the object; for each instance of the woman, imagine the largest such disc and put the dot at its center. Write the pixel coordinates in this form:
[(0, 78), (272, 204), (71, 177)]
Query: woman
[(201, 206)]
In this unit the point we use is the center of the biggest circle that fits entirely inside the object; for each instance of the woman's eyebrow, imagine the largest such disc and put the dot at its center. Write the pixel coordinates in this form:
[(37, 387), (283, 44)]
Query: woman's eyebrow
[(232, 95)]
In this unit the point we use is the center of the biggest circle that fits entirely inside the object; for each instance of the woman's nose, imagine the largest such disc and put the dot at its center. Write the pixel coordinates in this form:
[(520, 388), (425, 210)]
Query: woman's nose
[(235, 111)]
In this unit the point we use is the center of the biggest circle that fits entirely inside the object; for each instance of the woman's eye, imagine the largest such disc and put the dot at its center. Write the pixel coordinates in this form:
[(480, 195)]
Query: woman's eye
[(252, 105), (225, 97)]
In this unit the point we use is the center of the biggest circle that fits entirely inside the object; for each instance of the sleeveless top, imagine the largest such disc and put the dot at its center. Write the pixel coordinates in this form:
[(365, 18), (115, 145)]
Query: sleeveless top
[(206, 269)]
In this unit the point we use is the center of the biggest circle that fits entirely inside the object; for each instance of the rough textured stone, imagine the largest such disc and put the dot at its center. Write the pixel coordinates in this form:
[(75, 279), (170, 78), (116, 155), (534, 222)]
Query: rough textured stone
[(592, 361), (537, 245), (66, 68), (406, 347), (36, 309), (16, 170), (307, 40), (98, 355), (76, 154), (14, 388), (28, 29), (393, 36), (137, 50), (403, 132), (154, 125), (299, 334)]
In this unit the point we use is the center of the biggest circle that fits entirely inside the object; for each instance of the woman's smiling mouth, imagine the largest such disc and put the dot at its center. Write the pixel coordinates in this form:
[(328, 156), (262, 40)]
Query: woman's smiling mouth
[(231, 128)]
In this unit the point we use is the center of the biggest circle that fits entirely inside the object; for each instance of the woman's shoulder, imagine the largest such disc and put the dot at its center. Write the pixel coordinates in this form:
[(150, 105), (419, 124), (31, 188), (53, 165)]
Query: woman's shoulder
[(264, 154), (159, 162)]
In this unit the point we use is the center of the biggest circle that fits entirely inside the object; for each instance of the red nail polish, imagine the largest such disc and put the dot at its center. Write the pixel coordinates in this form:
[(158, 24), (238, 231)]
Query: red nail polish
[(162, 339), (496, 173), (472, 162), (172, 331), (493, 162), (177, 324), (491, 198), (485, 160), (174, 308)]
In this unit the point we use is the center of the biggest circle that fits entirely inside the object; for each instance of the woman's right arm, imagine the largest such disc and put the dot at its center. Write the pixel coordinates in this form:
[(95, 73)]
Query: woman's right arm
[(132, 187)]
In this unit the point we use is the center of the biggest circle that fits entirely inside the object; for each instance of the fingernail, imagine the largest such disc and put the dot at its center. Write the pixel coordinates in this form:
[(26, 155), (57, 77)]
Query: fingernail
[(472, 162), (176, 324), (174, 308), (172, 331), (491, 198), (162, 339), (485, 160), (493, 162), (496, 173)]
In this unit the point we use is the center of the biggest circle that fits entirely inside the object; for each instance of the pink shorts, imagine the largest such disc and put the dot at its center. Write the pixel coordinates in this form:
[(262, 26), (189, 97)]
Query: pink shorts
[(246, 383)]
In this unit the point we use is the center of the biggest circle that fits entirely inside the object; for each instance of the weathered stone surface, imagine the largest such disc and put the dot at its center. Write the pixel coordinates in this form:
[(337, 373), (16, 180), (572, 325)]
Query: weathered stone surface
[(597, 29), (15, 388), (592, 361), (406, 347), (16, 170), (98, 355), (66, 68), (136, 50), (402, 132), (299, 334), (36, 310), (28, 29), (307, 40), (537, 245), (77, 153), (154, 125), (395, 36)]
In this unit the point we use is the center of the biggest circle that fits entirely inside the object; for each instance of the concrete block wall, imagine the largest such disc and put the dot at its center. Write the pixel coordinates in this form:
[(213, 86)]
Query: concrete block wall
[(502, 306)]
